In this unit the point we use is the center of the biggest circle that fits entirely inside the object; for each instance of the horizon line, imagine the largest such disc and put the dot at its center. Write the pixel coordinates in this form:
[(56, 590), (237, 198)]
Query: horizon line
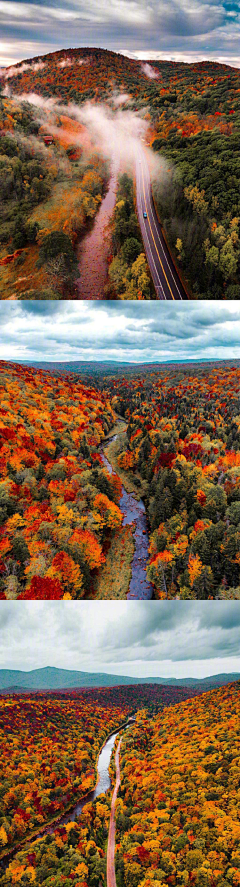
[(116, 674), (123, 362)]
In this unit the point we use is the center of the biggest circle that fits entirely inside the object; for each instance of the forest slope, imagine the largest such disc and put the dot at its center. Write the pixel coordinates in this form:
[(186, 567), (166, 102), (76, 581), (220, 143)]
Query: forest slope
[(58, 505), (183, 438), (193, 119), (178, 805), (49, 748), (38, 228)]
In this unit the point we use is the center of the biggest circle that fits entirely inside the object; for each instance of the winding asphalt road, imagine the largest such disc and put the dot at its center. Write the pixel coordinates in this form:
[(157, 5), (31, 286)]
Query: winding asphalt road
[(111, 877), (164, 274)]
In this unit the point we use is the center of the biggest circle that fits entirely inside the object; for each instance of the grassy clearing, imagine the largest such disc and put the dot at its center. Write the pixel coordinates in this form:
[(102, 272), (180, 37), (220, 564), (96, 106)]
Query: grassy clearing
[(64, 200), (128, 480), (114, 579), (118, 428), (18, 279), (62, 207)]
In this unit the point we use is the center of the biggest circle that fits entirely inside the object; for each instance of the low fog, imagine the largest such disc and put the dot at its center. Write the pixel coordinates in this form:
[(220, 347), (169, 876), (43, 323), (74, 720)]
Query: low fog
[(7, 73), (120, 99), (118, 134), (150, 72)]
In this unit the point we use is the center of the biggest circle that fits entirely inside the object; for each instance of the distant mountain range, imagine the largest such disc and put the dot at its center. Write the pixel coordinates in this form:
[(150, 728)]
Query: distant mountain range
[(16, 681), (91, 368)]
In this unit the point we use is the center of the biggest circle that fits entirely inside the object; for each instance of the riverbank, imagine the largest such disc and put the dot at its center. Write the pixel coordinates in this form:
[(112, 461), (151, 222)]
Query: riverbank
[(113, 580), (111, 876), (134, 516), (94, 249), (71, 812)]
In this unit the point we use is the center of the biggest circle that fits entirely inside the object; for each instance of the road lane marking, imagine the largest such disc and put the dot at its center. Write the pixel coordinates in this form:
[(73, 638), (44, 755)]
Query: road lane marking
[(164, 272), (145, 237), (162, 244)]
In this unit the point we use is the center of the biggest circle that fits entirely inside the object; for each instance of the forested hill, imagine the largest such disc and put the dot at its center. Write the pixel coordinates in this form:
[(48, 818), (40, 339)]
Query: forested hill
[(86, 72), (59, 678), (193, 124)]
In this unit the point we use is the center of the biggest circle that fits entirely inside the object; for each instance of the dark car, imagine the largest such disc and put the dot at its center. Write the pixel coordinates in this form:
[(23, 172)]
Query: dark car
[(145, 215)]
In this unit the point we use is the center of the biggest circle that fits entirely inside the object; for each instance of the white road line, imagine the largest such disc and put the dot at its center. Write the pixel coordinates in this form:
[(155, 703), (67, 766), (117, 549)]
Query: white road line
[(146, 238), (157, 232), (153, 240)]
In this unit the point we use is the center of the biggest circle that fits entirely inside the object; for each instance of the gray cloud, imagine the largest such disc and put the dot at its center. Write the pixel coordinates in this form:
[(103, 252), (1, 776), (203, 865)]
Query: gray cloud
[(154, 638), (129, 331), (30, 27)]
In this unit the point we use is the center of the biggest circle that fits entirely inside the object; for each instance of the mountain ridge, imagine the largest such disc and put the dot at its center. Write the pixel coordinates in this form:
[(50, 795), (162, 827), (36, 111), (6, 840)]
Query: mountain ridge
[(53, 678)]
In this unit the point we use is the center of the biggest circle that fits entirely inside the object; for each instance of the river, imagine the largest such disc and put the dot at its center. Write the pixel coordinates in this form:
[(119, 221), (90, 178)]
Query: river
[(94, 248), (103, 784), (134, 513)]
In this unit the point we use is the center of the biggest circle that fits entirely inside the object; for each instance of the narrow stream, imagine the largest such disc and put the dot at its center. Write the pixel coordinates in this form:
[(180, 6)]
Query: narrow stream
[(94, 248), (104, 781), (103, 784), (134, 512)]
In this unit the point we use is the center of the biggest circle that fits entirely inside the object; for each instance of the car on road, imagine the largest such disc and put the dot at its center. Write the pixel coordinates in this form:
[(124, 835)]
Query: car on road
[(145, 215)]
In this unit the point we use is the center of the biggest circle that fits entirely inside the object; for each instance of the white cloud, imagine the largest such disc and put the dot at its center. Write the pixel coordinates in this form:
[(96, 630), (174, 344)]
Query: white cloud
[(135, 638), (167, 27), (134, 332)]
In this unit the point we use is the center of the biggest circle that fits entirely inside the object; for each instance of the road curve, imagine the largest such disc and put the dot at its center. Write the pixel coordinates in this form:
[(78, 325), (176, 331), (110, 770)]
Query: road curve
[(165, 277), (111, 877)]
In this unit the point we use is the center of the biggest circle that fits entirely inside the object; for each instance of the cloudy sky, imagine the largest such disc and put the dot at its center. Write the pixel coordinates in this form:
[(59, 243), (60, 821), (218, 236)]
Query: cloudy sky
[(174, 29), (124, 331), (167, 639)]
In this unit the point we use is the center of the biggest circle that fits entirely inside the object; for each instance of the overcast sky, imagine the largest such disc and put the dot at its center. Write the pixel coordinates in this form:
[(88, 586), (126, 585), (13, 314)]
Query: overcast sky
[(124, 331), (174, 29), (172, 638)]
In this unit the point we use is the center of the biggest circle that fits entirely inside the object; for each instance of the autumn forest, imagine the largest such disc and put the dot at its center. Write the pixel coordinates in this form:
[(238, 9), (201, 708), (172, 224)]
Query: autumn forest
[(177, 804), (70, 124), (117, 486), (119, 444)]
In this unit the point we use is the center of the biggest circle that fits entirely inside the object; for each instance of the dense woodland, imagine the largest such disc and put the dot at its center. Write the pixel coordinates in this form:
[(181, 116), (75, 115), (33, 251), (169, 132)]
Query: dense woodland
[(177, 819), (50, 742), (59, 505), (182, 442), (177, 807), (192, 113), (49, 750), (197, 122), (49, 197)]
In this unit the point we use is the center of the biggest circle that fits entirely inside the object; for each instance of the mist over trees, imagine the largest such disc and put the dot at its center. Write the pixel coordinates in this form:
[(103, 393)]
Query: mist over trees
[(190, 116)]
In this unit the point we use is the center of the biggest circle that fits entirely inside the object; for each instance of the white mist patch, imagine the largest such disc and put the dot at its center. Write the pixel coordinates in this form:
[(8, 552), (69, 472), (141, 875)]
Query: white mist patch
[(119, 135), (116, 134), (65, 63), (150, 72), (14, 71), (120, 99), (37, 100)]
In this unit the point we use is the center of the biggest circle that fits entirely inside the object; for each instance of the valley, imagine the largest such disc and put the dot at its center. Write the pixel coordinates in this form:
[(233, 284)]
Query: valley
[(76, 115), (164, 808), (124, 486)]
